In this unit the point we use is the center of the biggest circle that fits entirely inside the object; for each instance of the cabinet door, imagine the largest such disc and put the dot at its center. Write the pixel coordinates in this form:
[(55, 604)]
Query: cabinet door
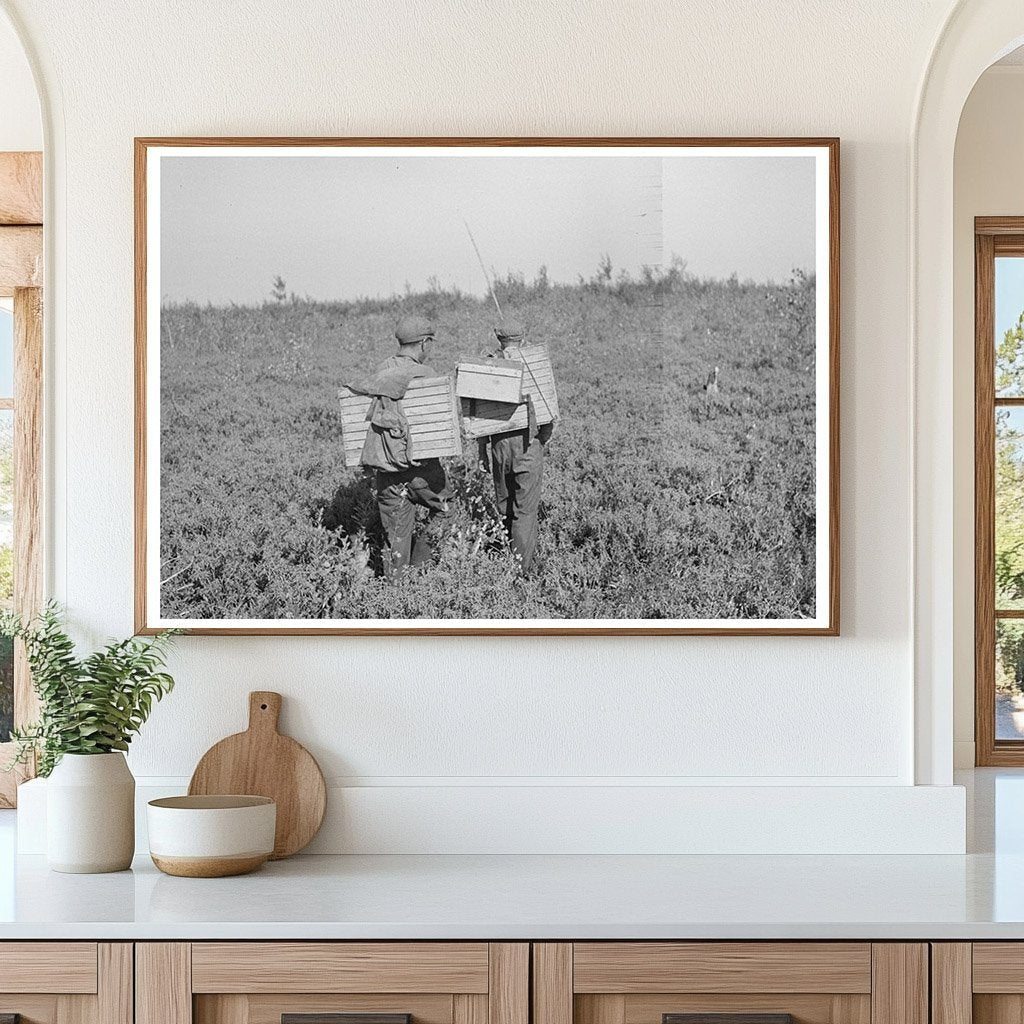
[(730, 983), (332, 983), (65, 983), (979, 982)]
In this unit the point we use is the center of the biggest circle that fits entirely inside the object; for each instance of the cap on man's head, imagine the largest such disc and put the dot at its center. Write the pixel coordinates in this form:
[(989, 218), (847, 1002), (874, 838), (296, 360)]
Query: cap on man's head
[(413, 329), (510, 330)]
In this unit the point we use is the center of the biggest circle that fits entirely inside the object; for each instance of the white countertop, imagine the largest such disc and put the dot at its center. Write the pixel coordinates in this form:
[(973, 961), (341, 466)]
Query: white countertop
[(977, 896), (496, 897)]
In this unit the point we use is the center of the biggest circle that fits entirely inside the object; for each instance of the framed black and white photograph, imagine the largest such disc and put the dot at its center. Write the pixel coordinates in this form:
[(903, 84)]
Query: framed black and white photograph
[(505, 386)]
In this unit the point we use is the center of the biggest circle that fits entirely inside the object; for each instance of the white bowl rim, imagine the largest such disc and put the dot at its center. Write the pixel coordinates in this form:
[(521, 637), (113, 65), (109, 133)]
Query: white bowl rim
[(212, 802)]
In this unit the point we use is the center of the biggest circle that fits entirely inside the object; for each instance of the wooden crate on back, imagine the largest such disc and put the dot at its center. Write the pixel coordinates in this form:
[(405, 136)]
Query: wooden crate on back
[(497, 380), (430, 407), (483, 418)]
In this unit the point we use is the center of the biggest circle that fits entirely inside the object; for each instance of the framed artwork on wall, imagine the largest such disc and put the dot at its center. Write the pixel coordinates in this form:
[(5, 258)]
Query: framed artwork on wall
[(495, 386)]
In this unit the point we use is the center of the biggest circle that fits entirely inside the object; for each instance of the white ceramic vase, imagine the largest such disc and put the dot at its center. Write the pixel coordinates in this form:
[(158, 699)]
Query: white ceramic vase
[(90, 814)]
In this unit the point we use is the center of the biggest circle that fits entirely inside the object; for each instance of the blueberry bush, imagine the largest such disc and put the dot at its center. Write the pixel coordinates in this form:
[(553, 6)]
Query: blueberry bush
[(660, 500)]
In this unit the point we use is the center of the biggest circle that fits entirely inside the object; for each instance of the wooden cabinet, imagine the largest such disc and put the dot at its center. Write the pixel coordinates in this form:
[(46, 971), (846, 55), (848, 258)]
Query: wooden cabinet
[(264, 982), (753, 982), (494, 983), (66, 982), (980, 982)]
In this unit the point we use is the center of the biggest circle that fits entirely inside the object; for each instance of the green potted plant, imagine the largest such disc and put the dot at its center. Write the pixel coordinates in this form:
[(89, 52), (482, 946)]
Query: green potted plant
[(90, 708)]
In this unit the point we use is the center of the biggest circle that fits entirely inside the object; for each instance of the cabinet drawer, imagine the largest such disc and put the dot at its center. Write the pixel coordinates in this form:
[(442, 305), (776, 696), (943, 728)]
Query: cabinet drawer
[(332, 983), (634, 967), (66, 982), (730, 983), (66, 967), (340, 967), (981, 982)]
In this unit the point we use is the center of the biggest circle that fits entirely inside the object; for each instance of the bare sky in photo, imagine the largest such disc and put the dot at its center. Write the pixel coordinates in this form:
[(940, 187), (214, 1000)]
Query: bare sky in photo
[(340, 227)]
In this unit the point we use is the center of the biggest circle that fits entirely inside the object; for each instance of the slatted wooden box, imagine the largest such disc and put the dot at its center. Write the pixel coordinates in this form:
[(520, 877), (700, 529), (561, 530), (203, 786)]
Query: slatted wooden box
[(495, 380), (482, 417), (429, 405)]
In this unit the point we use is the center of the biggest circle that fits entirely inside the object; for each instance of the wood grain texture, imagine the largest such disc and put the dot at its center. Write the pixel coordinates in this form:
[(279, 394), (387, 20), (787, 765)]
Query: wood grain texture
[(500, 380), (141, 524), (144, 616), (262, 762), (28, 502), (346, 1018), (998, 1009), (552, 983), (468, 1008), (984, 502), (951, 981), (21, 258), (28, 483), (76, 1009), (899, 993), (269, 1008), (304, 967), (65, 967), (21, 188), (998, 967), (430, 408), (760, 967), (834, 546), (727, 1018), (999, 226), (508, 994), (163, 983), (208, 867), (115, 995), (31, 1009), (225, 1009), (603, 1009), (806, 1008), (994, 236), (484, 418)]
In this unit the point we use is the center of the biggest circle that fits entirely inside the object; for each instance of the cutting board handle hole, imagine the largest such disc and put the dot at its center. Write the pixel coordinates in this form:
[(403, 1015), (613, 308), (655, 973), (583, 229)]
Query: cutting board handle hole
[(263, 707)]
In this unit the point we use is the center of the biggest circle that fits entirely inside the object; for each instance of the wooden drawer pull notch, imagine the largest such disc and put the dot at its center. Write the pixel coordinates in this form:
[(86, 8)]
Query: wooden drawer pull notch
[(341, 1018), (726, 1018)]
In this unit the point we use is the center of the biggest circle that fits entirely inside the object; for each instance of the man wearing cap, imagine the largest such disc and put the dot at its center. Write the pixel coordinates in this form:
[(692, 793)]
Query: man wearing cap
[(402, 482), (516, 459)]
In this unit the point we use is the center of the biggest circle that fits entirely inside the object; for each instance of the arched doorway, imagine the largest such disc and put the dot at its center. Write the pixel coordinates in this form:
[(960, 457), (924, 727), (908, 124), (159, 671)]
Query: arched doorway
[(976, 34)]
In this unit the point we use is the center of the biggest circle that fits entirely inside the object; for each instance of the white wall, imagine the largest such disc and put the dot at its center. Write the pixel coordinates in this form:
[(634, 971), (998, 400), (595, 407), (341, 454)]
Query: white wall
[(433, 715), (987, 181), (21, 127)]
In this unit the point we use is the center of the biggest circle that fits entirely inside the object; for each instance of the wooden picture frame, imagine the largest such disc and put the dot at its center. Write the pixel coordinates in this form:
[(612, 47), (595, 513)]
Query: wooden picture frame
[(152, 153)]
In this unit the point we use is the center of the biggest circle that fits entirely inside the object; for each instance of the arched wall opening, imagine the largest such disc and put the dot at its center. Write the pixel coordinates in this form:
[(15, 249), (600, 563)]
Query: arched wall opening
[(976, 34), (989, 151)]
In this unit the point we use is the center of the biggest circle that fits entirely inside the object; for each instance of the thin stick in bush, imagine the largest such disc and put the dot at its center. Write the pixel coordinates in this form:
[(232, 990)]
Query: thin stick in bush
[(90, 705)]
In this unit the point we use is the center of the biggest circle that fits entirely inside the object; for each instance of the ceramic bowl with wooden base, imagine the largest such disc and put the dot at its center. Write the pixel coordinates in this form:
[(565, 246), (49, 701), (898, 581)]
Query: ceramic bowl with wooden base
[(211, 836)]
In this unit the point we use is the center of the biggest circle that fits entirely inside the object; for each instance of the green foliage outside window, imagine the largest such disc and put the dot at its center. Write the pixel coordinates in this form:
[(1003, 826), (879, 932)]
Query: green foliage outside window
[(1009, 510)]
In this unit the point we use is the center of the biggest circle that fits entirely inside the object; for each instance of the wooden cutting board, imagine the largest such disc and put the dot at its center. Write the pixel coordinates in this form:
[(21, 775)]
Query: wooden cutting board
[(262, 762)]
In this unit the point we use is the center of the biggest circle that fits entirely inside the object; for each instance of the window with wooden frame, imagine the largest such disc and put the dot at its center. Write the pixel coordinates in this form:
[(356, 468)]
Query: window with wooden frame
[(21, 366)]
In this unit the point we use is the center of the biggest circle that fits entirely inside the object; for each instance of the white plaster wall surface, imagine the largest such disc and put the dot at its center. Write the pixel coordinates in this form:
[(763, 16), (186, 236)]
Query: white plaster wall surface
[(21, 127), (687, 710), (987, 182)]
